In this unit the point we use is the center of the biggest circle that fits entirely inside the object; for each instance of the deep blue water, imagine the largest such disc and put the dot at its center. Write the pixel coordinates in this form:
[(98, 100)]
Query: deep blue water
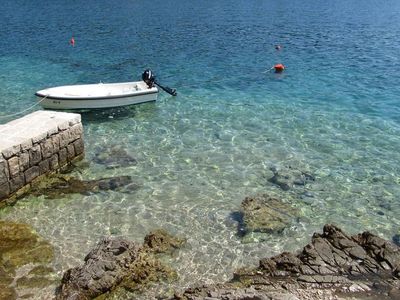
[(334, 112), (336, 53)]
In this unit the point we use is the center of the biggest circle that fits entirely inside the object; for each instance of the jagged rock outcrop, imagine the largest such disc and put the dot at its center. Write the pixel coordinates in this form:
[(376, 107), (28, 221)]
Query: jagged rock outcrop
[(104, 268), (117, 264), (333, 266)]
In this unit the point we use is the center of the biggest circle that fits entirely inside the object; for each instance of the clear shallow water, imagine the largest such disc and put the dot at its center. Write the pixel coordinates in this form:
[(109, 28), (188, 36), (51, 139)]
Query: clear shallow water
[(334, 112)]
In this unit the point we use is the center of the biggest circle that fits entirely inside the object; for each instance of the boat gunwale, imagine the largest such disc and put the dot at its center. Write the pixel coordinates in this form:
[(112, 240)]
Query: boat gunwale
[(136, 93)]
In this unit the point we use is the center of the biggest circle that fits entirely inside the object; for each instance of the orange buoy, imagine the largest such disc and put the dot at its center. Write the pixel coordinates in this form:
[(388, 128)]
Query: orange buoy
[(279, 68)]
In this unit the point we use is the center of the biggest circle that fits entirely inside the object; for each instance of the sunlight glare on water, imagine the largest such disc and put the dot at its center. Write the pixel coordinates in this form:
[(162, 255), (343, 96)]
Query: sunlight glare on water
[(334, 112)]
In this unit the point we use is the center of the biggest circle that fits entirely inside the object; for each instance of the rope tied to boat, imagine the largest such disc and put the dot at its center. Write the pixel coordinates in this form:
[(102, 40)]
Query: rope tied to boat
[(18, 113)]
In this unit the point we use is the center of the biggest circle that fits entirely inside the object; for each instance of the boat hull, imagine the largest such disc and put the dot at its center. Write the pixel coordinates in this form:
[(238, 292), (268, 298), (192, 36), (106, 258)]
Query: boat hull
[(96, 96)]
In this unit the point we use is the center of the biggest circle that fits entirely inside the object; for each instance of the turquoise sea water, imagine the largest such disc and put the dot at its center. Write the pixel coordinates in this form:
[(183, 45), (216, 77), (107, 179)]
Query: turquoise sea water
[(334, 112)]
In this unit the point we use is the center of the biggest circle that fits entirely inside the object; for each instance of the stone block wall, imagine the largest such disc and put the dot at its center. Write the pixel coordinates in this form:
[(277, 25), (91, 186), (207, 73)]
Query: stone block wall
[(35, 145)]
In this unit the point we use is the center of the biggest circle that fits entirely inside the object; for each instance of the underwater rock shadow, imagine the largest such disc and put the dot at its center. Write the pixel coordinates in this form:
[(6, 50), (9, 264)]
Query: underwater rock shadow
[(237, 216)]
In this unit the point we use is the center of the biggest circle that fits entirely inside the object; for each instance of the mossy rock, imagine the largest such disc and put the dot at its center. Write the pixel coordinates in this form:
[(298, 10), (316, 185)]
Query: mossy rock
[(37, 278), (263, 213), (41, 252), (41, 271), (15, 236), (35, 282), (7, 292), (7, 272), (20, 245), (58, 185), (146, 269), (160, 241)]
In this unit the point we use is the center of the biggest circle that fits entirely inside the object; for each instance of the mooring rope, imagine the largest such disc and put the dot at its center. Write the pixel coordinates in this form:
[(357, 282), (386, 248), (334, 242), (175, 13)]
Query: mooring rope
[(269, 70), (18, 113)]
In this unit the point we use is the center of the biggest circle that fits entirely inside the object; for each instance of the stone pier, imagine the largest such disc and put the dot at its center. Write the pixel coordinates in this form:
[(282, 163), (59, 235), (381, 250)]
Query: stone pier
[(35, 145)]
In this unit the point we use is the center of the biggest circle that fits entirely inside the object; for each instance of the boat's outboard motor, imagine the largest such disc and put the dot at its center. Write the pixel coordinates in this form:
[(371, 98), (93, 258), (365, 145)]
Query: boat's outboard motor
[(149, 78)]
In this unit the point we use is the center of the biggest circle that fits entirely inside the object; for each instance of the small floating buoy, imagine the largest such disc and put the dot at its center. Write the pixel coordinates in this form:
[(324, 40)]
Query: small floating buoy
[(278, 47), (279, 68), (72, 42)]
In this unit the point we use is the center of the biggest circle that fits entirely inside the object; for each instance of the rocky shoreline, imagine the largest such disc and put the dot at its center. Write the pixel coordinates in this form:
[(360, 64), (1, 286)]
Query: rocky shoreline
[(333, 265)]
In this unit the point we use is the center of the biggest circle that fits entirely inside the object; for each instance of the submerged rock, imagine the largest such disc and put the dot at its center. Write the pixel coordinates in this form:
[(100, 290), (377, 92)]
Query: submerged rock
[(59, 184), (6, 278), (160, 241), (21, 246), (115, 157), (33, 281), (333, 265), (263, 213), (287, 178)]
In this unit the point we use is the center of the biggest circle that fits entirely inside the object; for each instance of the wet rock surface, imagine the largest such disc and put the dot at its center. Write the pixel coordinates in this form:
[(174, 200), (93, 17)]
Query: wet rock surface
[(104, 268), (115, 265), (263, 213), (333, 266), (22, 247), (61, 184)]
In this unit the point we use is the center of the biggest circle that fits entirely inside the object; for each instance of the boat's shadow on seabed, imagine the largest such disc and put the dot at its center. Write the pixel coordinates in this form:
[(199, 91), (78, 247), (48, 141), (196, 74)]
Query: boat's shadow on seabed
[(112, 114)]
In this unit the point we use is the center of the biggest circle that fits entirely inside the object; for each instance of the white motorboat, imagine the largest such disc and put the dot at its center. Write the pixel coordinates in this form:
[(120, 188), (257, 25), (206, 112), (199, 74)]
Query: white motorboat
[(102, 95)]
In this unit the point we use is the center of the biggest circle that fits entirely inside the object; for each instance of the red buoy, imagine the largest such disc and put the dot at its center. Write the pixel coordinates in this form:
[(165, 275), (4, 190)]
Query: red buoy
[(279, 68), (72, 41)]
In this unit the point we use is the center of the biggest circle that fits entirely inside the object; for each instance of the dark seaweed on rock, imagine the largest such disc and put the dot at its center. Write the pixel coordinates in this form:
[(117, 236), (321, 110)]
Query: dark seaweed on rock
[(58, 185)]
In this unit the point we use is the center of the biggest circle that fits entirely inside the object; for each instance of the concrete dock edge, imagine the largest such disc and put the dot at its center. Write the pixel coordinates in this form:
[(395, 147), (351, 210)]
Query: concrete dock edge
[(36, 145)]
